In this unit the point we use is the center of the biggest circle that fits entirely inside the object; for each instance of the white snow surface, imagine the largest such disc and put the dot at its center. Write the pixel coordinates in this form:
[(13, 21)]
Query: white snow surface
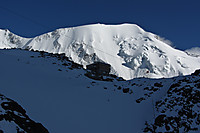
[(195, 51), (131, 51)]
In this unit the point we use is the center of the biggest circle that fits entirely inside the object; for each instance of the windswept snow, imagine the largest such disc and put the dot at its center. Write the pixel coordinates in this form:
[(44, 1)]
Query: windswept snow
[(195, 51), (131, 51)]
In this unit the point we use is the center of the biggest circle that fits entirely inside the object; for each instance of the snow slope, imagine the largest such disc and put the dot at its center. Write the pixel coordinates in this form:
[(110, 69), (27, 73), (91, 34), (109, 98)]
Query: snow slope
[(193, 51), (131, 51), (65, 100)]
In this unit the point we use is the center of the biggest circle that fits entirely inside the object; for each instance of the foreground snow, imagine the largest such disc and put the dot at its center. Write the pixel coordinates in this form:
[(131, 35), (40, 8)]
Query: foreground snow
[(67, 101), (63, 99), (131, 51)]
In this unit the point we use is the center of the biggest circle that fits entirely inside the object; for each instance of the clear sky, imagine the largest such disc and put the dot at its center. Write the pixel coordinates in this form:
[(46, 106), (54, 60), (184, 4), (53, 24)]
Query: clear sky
[(176, 20)]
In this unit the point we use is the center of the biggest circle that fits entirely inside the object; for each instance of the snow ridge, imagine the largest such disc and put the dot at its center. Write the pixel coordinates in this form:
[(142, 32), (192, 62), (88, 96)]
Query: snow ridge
[(131, 51), (195, 51)]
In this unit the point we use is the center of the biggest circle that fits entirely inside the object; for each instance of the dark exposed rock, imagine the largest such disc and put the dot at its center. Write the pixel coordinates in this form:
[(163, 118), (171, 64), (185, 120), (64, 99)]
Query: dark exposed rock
[(184, 98), (131, 92), (100, 71), (196, 73), (15, 113), (26, 123), (13, 106), (175, 85), (154, 89), (99, 68), (125, 90), (159, 121), (65, 64), (140, 99), (146, 88), (158, 85), (76, 66), (197, 85), (119, 88)]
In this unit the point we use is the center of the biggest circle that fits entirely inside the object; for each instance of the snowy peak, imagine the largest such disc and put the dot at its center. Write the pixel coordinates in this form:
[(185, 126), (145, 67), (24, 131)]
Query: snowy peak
[(10, 40), (131, 51)]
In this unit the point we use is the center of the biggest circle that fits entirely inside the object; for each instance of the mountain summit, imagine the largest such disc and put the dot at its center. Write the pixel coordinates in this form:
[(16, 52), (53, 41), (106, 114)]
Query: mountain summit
[(131, 51)]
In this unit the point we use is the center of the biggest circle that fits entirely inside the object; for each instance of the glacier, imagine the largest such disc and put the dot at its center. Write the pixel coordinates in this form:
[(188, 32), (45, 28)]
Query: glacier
[(131, 51)]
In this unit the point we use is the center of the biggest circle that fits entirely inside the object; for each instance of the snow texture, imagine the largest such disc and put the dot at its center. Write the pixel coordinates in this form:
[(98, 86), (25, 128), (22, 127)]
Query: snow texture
[(131, 51), (193, 51), (63, 99)]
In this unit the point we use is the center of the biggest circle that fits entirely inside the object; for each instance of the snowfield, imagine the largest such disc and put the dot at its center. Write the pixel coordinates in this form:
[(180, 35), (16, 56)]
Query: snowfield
[(69, 80), (68, 101), (131, 51), (63, 99)]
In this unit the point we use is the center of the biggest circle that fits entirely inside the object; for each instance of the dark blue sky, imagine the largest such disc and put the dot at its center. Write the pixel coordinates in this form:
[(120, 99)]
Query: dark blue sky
[(176, 20)]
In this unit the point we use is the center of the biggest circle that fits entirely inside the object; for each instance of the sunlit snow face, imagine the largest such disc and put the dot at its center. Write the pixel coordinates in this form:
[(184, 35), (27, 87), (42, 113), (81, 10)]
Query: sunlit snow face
[(129, 50)]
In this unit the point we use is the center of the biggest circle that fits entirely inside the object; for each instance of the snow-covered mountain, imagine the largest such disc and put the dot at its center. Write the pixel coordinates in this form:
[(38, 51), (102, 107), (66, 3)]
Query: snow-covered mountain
[(131, 51)]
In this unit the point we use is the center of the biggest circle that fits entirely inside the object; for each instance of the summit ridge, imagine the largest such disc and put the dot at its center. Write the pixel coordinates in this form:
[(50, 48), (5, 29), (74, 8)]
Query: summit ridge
[(131, 51)]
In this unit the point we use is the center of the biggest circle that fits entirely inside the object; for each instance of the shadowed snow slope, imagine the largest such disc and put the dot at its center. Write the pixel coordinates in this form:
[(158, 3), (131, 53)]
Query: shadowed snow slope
[(131, 51), (63, 99)]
